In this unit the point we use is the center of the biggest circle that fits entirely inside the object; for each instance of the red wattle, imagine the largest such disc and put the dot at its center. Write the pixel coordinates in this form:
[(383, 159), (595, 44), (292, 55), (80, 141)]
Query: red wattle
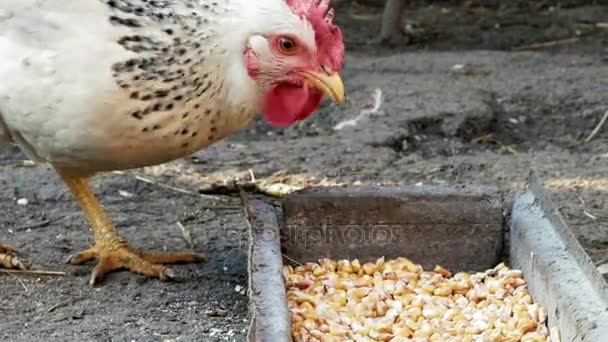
[(287, 104)]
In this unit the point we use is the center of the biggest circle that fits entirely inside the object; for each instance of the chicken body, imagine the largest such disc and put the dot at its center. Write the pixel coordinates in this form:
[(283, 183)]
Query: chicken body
[(88, 93), (102, 85)]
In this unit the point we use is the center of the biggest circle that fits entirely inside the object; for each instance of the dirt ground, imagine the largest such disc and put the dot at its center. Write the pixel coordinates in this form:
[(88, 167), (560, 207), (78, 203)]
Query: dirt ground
[(458, 79)]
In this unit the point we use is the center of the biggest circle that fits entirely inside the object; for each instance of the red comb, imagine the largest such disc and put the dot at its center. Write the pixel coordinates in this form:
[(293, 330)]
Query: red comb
[(328, 36)]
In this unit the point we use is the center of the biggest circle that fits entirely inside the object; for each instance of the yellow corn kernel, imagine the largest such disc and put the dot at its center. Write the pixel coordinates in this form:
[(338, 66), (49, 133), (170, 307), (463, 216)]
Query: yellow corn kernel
[(401, 331), (430, 312), (407, 264), (443, 291), (368, 268), (364, 280), (379, 263), (526, 325), (381, 308), (328, 264), (533, 337), (467, 338), (423, 333), (358, 292), (436, 337), (412, 324), (316, 333), (459, 286), (337, 299), (318, 271), (307, 307), (442, 271), (344, 266), (459, 317), (380, 336), (329, 338), (337, 330)]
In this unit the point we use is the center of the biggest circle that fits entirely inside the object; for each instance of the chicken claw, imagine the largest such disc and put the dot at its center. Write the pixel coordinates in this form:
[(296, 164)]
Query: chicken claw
[(7, 260), (115, 254)]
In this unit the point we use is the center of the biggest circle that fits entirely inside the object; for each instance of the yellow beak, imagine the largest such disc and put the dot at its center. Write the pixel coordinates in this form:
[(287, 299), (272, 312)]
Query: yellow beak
[(330, 84)]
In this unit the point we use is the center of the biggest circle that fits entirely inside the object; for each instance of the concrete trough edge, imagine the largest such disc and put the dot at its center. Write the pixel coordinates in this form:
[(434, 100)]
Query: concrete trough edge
[(560, 274), (465, 223), (269, 314)]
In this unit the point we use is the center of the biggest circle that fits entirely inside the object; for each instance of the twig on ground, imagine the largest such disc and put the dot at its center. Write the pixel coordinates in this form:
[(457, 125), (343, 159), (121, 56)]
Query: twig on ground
[(41, 224), (186, 233), (594, 218), (233, 162), (378, 100), (585, 212), (484, 139), (601, 25), (597, 128), (267, 188), (62, 304), (538, 46), (167, 186), (220, 207), (292, 260), (20, 282), (33, 273)]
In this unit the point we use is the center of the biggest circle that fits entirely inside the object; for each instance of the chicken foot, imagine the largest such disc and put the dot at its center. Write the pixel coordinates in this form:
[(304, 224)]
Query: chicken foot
[(7, 260), (111, 250)]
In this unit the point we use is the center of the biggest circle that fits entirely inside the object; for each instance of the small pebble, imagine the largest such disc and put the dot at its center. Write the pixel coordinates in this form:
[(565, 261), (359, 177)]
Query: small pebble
[(125, 194), (216, 312), (458, 67), (214, 331)]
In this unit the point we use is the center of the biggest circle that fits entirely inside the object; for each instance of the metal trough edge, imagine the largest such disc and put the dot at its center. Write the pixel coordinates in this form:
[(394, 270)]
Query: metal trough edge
[(560, 274)]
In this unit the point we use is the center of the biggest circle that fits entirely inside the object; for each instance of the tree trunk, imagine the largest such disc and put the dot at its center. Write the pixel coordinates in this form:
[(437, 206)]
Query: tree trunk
[(391, 21)]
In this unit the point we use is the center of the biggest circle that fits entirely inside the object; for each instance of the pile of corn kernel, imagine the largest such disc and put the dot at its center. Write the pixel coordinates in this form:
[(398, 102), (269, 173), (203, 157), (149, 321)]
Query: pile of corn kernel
[(396, 300)]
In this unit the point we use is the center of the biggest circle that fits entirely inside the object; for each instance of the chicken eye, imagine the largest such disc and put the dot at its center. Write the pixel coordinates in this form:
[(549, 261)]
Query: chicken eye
[(287, 45)]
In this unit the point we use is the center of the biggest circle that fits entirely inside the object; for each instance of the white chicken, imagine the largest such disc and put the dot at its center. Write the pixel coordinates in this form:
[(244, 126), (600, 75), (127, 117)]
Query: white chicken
[(100, 85)]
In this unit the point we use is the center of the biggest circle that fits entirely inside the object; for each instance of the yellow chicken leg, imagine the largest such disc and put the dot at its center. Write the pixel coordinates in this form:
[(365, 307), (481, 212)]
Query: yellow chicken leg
[(110, 249), (7, 260)]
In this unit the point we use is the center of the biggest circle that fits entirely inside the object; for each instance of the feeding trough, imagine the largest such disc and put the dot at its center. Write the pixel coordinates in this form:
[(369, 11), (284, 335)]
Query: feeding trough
[(468, 229)]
